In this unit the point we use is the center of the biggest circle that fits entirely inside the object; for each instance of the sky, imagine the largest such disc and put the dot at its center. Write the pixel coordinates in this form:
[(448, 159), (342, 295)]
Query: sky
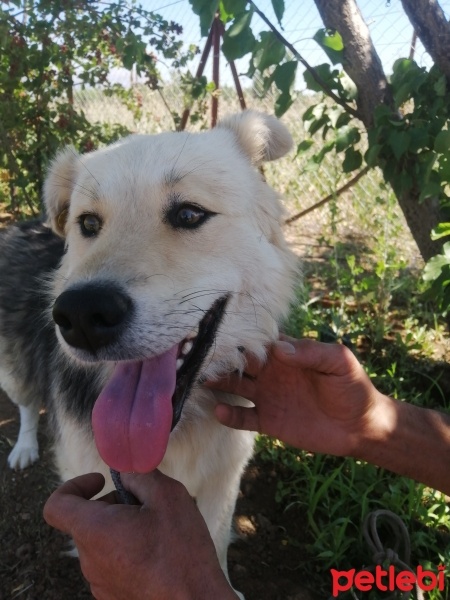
[(389, 27)]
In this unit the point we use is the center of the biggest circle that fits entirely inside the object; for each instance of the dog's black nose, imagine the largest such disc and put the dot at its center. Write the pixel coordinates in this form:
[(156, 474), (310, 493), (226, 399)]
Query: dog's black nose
[(92, 316)]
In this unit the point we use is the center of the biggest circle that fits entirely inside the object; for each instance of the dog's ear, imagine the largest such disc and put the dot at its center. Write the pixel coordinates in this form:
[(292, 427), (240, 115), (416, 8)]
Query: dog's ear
[(58, 187), (262, 137)]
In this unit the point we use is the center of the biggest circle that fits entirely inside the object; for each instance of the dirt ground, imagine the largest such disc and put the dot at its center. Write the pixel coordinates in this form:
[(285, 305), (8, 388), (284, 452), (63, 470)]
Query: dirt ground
[(262, 563)]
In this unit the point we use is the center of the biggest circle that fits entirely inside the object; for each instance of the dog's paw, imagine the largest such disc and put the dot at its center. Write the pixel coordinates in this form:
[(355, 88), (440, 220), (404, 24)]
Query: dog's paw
[(23, 455)]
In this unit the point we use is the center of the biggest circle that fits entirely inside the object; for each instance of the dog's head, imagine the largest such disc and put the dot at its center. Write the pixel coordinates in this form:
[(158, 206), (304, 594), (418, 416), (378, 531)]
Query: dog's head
[(175, 260)]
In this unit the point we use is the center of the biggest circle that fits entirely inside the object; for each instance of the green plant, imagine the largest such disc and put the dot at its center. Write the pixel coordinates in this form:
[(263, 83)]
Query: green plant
[(366, 297), (412, 148), (337, 494), (437, 273)]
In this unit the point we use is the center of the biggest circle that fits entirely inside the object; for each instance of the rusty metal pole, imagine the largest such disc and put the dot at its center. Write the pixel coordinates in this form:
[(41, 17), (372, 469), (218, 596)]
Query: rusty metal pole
[(213, 41), (237, 83), (216, 69), (198, 74)]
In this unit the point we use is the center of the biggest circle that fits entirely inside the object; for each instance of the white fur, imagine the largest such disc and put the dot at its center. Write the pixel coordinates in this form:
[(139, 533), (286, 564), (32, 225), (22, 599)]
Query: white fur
[(26, 450), (173, 277)]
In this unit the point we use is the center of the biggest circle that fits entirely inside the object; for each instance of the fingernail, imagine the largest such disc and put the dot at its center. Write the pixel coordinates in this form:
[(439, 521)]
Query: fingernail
[(285, 347)]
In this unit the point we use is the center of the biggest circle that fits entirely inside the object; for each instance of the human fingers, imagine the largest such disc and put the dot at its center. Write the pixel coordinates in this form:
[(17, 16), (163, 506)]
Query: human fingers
[(331, 359), (110, 498), (152, 488), (235, 383), (67, 503), (237, 417)]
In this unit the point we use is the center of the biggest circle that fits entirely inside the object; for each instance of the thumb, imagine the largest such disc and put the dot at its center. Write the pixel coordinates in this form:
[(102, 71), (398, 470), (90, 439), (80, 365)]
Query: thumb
[(68, 502), (237, 417), (152, 488)]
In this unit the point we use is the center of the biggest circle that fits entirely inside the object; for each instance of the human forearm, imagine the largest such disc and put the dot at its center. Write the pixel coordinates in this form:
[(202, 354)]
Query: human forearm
[(410, 441), (318, 397)]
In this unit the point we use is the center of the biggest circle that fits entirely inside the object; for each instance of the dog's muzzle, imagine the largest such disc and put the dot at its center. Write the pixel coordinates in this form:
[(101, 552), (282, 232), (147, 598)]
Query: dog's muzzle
[(93, 316)]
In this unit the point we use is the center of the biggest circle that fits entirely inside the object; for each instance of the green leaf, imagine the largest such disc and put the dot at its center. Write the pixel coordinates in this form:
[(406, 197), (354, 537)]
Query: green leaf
[(241, 23), (284, 75), (349, 89), (311, 166), (282, 103), (407, 79), (442, 230), (403, 67), (372, 154), (402, 94), (429, 190), (239, 45), (325, 73), (205, 9), (315, 117), (304, 146), (315, 111), (347, 136), (318, 158), (231, 8), (334, 112), (278, 7), (440, 87), (313, 126), (399, 142), (444, 168), (419, 139), (442, 141), (132, 51), (352, 160), (331, 43), (434, 266), (270, 51), (382, 114)]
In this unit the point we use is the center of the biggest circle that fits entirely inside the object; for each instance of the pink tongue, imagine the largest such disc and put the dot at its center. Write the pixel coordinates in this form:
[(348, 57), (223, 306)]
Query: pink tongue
[(133, 414)]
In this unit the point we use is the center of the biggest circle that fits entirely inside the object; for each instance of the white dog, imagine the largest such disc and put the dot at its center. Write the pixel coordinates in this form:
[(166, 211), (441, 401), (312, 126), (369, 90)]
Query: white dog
[(174, 266)]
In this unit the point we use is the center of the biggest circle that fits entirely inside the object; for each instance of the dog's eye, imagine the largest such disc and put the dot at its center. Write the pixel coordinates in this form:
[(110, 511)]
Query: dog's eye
[(90, 225), (188, 216)]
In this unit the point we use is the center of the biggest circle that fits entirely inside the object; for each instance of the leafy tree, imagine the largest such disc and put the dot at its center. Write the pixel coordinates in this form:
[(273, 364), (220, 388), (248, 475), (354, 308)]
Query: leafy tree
[(47, 50), (404, 115)]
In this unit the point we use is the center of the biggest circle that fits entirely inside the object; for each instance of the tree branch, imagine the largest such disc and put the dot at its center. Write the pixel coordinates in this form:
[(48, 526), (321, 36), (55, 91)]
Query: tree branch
[(334, 194)]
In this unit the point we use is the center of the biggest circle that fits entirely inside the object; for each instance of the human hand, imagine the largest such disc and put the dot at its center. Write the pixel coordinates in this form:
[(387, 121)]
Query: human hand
[(160, 550), (310, 395)]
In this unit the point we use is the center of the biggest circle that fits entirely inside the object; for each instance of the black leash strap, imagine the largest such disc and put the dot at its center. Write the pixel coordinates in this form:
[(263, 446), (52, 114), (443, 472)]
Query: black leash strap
[(125, 497)]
